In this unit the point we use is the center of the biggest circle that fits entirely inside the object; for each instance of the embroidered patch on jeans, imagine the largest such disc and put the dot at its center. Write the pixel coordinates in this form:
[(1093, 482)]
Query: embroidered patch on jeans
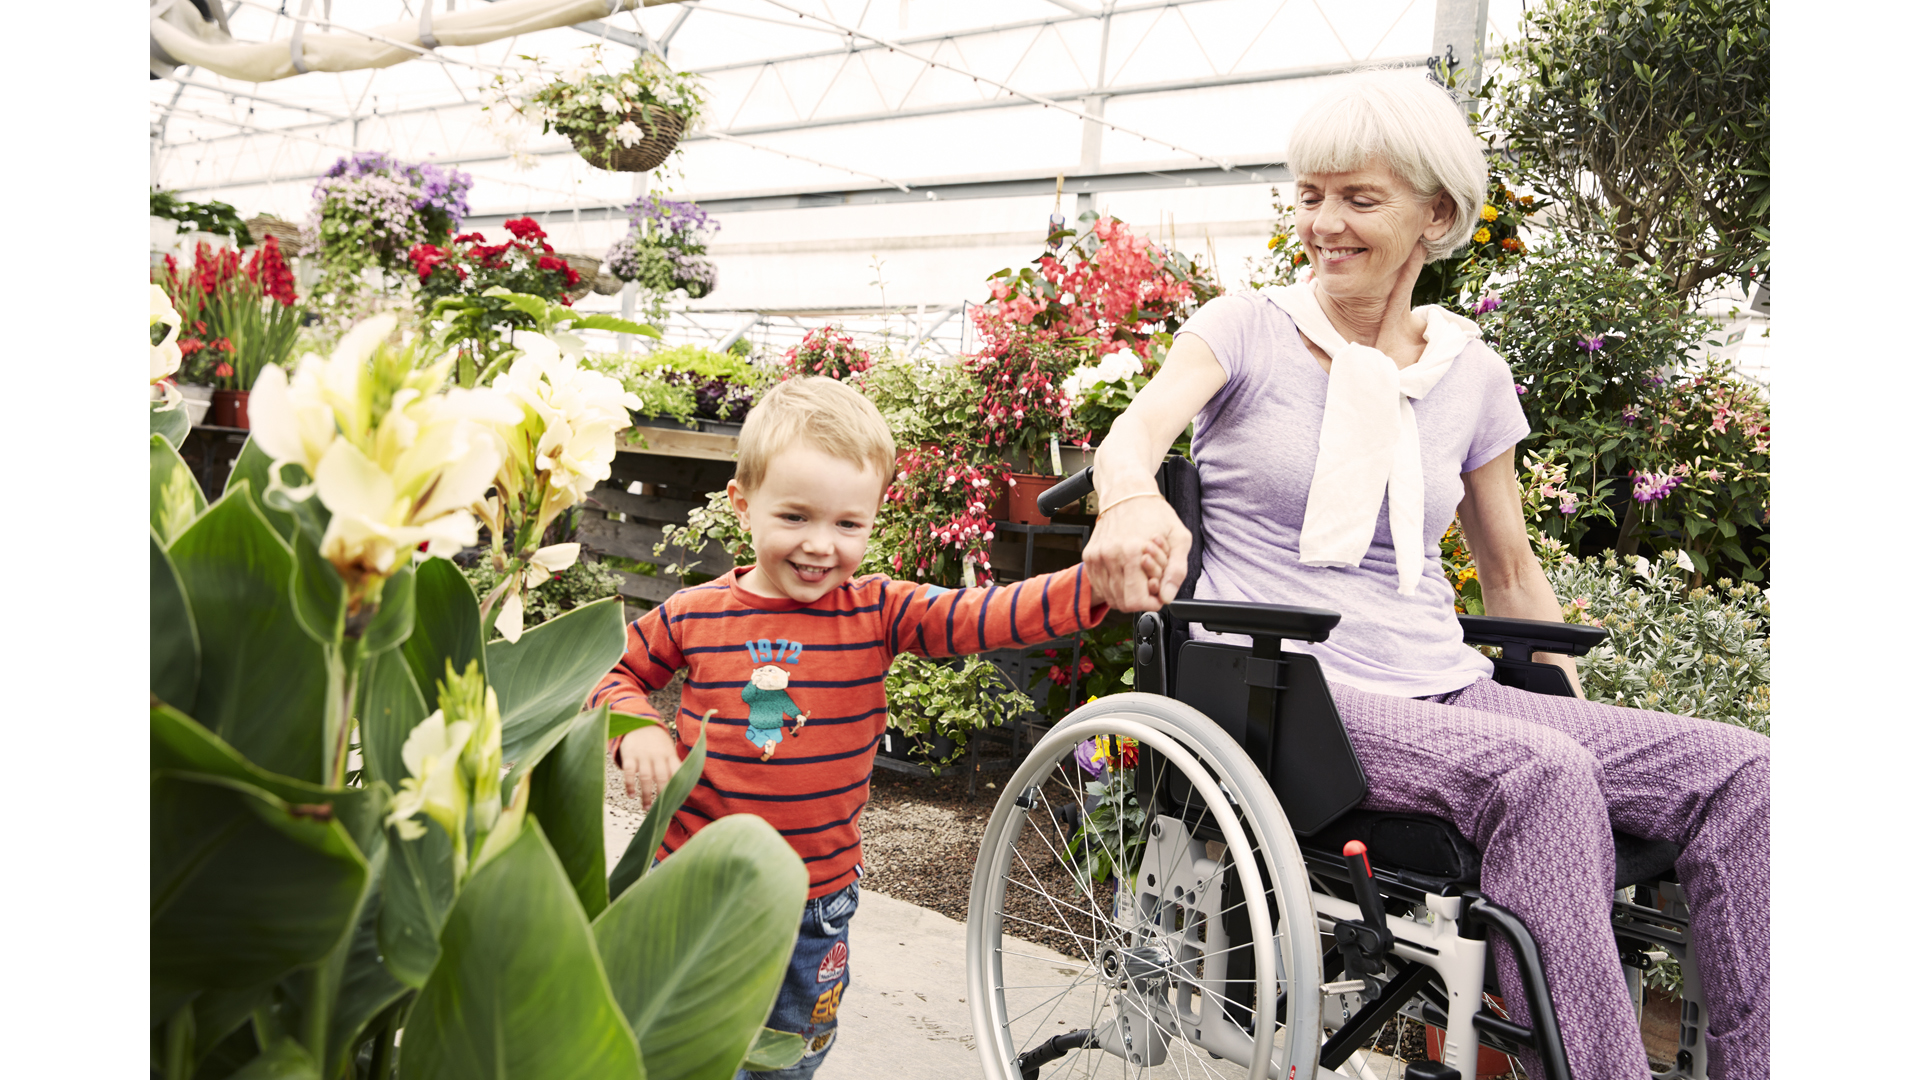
[(834, 964), (820, 1043), (827, 1005)]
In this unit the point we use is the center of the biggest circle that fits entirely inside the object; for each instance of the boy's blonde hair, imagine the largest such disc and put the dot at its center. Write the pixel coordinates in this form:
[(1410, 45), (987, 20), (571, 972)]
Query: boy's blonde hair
[(827, 414)]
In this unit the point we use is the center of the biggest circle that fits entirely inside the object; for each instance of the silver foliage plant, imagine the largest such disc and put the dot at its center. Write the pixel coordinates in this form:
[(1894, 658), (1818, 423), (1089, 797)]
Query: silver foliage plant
[(1672, 647)]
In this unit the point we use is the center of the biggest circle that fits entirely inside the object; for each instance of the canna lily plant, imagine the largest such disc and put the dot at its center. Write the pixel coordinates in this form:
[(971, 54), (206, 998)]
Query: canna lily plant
[(377, 840)]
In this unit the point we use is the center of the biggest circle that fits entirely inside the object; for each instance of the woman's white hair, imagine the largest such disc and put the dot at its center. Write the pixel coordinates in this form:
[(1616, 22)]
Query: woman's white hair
[(1414, 127)]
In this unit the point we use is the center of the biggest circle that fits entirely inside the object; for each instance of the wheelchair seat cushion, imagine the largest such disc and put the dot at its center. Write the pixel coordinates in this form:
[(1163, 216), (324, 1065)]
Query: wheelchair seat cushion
[(1439, 856)]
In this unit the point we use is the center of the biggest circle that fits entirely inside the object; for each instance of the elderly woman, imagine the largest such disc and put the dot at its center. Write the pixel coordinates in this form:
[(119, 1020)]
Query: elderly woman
[(1338, 431)]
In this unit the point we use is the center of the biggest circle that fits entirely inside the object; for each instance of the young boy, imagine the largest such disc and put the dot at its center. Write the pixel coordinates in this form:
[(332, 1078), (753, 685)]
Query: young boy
[(793, 653)]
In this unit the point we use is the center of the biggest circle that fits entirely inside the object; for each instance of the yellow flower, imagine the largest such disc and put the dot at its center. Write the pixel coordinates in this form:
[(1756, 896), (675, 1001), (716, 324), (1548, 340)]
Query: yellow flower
[(1482, 236), (1488, 213), (1273, 242)]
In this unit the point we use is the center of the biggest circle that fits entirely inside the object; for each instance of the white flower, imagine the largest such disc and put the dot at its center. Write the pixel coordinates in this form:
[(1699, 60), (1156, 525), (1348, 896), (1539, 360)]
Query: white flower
[(433, 785), (628, 133), (165, 359), (570, 418), (1685, 563), (392, 481), (1642, 567), (629, 88), (609, 102)]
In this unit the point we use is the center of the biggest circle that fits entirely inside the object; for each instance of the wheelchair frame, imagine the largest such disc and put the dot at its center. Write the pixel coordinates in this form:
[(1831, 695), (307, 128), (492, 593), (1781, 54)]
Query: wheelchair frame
[(1406, 942)]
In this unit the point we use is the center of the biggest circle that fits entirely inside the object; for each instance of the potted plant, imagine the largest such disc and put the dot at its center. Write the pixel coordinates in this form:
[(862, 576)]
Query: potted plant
[(665, 249), (1022, 409), (939, 704), (688, 386), (936, 521), (460, 283), (369, 212), (243, 317), (444, 897), (625, 120), (827, 351)]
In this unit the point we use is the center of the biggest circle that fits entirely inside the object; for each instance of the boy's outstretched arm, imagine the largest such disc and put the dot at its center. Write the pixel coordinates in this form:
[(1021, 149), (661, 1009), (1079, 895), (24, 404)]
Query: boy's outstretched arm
[(931, 621)]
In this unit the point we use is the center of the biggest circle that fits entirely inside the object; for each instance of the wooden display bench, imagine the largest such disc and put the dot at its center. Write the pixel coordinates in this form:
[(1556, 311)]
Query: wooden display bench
[(210, 452), (676, 469)]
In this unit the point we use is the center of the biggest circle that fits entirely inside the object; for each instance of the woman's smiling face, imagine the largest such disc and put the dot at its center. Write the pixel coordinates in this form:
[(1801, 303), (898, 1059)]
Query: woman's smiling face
[(1361, 228)]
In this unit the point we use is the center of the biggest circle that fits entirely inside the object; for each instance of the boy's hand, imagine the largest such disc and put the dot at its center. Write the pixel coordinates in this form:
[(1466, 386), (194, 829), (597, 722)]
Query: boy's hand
[(1152, 565), (648, 758)]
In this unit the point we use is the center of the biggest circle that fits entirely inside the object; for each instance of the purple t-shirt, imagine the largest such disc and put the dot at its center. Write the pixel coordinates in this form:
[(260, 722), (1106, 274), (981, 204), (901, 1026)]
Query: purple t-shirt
[(1256, 442)]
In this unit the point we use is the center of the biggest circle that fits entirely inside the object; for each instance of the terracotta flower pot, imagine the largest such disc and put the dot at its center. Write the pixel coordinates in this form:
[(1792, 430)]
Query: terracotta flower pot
[(1023, 494), (230, 408)]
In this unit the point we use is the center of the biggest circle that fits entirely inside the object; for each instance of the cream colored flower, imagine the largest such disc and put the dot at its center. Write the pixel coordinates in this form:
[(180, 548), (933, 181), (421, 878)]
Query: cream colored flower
[(165, 358), (566, 435), (609, 102), (629, 88), (628, 133), (433, 785)]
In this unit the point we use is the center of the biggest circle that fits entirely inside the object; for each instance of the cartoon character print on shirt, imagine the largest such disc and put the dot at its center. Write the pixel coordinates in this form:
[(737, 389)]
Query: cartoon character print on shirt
[(766, 695)]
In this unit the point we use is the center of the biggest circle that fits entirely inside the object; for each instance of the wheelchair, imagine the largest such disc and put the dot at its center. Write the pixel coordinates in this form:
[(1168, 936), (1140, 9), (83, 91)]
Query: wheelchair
[(1249, 912)]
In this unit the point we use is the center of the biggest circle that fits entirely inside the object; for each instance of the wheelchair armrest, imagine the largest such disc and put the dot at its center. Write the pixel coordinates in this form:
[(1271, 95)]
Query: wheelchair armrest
[(1528, 635), (1265, 620)]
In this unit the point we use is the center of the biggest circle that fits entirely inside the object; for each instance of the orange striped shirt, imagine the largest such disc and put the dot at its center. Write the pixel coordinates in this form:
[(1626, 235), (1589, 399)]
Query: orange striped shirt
[(834, 654)]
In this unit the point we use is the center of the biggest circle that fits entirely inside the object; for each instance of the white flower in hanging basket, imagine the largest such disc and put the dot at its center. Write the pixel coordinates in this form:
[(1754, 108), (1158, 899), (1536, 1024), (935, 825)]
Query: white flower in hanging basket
[(628, 133)]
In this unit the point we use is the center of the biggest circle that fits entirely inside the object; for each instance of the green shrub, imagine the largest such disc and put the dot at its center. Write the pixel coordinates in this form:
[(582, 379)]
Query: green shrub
[(953, 697), (1702, 652), (581, 583)]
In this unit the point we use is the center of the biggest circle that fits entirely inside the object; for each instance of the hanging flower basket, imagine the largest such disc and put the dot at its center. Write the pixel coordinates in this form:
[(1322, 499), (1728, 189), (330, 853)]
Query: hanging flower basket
[(601, 150), (588, 267)]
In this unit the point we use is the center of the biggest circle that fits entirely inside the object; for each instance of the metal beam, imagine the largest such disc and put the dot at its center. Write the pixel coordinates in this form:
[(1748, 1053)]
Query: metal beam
[(1246, 172), (335, 117), (1043, 102), (601, 30)]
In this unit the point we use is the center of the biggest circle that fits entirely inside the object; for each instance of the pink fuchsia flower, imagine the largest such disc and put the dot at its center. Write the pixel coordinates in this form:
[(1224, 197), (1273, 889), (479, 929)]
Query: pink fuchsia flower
[(1519, 388), (1593, 344), (1629, 415), (1569, 505), (1489, 302)]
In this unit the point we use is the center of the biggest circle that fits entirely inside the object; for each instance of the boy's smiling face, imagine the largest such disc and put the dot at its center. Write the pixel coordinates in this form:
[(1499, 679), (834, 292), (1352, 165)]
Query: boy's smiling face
[(810, 518)]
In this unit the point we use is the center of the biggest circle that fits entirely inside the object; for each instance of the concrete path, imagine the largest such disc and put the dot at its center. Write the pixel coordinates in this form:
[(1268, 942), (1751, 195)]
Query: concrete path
[(905, 1016)]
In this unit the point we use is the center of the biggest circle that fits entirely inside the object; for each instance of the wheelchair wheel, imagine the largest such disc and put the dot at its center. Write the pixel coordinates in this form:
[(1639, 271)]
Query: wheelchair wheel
[(1109, 931)]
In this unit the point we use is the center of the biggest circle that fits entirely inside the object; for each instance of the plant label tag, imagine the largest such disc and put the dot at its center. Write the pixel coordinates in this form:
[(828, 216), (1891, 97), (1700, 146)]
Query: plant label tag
[(966, 575), (1053, 445)]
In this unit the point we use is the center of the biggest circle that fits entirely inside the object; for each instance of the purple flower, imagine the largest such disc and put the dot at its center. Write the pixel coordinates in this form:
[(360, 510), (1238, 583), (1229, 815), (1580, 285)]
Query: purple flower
[(1084, 754), (1629, 415), (1490, 302), (1519, 388), (1593, 344), (1647, 487), (1569, 506)]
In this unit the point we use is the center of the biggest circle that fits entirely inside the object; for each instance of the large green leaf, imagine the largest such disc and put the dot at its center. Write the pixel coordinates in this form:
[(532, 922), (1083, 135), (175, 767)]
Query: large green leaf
[(394, 621), (417, 889), (615, 324), (774, 1050), (169, 424), (390, 707), (182, 744), (245, 887), (696, 950), (638, 857), (446, 626), (174, 498), (570, 799), (263, 681), (283, 1060), (251, 468), (173, 645), (319, 596), (544, 678), (519, 992), (367, 987)]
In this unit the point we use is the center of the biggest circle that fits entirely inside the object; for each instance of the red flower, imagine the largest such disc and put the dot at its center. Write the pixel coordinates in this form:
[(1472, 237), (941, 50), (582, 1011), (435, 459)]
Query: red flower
[(223, 370), (525, 227), (189, 346), (1086, 665)]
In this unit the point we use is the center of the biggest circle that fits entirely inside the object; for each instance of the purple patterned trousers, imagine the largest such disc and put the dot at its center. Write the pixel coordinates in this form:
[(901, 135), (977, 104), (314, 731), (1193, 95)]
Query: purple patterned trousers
[(1538, 784)]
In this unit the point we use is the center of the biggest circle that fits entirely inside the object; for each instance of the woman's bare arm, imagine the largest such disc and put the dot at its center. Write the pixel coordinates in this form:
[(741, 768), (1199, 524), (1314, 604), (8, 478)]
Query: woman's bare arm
[(1125, 466), (1511, 581)]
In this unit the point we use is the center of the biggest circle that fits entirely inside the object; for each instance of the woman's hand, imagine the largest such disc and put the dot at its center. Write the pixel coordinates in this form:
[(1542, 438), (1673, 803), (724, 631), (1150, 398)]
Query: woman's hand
[(1137, 555), (648, 758)]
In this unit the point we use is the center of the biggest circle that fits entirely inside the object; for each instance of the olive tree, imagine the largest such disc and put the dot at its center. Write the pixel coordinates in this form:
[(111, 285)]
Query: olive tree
[(1646, 122)]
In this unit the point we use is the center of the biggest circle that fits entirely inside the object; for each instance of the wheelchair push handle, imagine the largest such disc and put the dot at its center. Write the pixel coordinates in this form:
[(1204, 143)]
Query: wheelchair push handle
[(1066, 492)]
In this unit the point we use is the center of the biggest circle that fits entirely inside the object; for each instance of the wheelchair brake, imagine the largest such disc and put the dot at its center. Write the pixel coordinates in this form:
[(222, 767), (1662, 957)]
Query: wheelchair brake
[(1363, 943)]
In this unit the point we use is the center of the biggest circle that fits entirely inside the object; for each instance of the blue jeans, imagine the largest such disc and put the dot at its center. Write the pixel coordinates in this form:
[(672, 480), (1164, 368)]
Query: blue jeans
[(817, 977)]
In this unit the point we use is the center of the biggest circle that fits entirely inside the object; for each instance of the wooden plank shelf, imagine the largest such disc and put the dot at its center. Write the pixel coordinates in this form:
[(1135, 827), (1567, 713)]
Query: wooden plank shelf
[(676, 469)]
